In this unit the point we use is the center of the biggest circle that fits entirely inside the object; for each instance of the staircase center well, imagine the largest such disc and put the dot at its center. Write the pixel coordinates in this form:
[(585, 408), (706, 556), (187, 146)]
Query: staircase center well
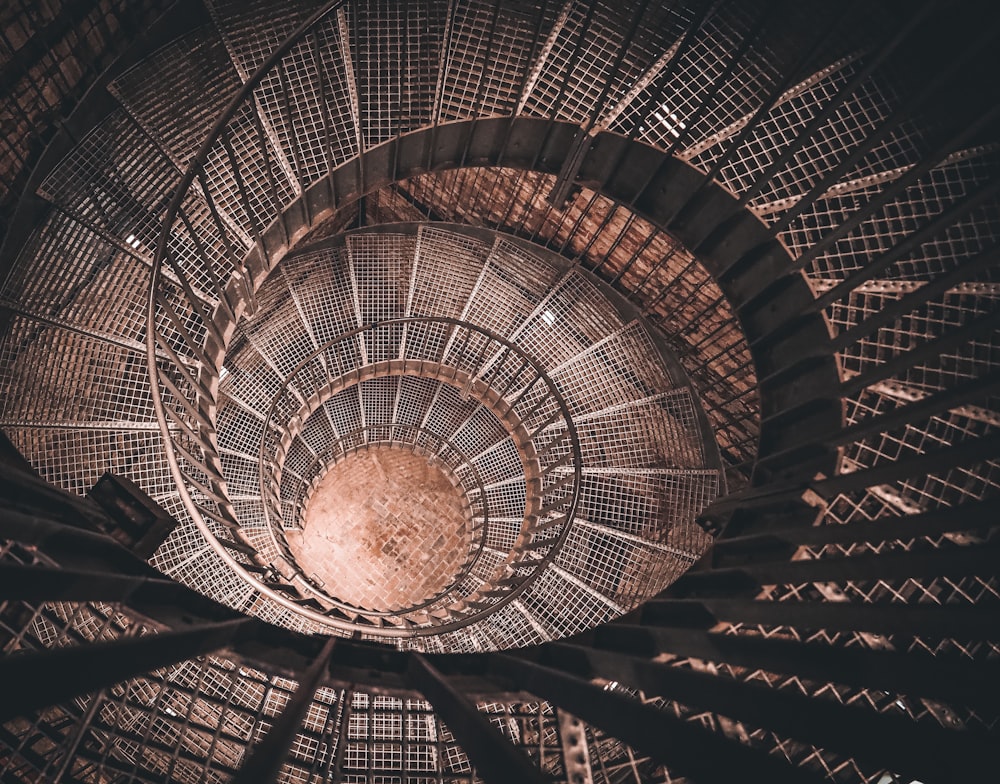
[(385, 529)]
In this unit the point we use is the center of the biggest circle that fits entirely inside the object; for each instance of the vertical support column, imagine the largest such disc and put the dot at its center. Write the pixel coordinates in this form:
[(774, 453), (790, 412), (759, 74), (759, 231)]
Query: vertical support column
[(576, 754), (343, 731)]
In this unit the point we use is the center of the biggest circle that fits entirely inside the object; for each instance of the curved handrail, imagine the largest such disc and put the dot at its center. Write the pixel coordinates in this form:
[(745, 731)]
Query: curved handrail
[(499, 343), (195, 165), (523, 553), (479, 540)]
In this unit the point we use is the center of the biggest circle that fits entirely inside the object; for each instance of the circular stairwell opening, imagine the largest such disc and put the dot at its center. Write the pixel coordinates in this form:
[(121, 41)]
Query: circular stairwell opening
[(448, 437), (430, 485), (385, 528)]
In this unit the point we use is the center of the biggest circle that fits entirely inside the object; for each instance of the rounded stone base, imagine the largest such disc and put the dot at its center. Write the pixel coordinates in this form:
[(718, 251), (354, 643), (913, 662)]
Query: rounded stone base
[(385, 530)]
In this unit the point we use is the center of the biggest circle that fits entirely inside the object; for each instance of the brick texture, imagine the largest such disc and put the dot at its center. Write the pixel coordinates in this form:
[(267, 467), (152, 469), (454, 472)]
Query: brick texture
[(384, 530)]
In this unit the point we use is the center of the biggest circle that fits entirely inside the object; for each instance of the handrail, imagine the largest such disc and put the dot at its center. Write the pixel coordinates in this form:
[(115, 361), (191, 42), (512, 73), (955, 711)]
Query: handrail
[(194, 167), (497, 344), (525, 554)]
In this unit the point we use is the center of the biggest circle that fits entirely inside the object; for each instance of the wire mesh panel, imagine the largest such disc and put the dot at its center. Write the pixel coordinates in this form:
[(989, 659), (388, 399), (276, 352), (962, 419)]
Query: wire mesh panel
[(60, 252), (114, 179), (277, 332), (416, 396), (246, 174), (55, 362), (508, 292), (74, 458), (709, 86), (252, 31), (251, 381), (495, 459), (395, 50), (200, 76), (344, 410), (572, 317), (612, 370), (575, 600), (447, 270), (653, 433), (307, 103), (629, 501), (382, 268), (483, 74), (204, 247), (321, 285), (595, 52)]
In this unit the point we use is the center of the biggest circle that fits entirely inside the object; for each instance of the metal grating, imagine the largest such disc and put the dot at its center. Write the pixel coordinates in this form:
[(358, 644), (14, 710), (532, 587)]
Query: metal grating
[(395, 50), (560, 320), (307, 103), (645, 263), (604, 237), (201, 75), (483, 75)]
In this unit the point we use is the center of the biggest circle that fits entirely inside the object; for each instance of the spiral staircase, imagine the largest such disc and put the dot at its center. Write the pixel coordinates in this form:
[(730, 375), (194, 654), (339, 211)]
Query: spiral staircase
[(572, 392)]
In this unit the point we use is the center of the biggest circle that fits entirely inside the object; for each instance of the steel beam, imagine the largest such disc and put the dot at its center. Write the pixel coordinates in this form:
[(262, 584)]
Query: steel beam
[(265, 762), (898, 743), (974, 683), (46, 584), (975, 515), (495, 758), (686, 748), (34, 680), (955, 562), (959, 622)]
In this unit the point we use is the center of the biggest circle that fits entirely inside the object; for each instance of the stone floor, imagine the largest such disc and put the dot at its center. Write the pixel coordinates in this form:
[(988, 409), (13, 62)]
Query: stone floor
[(384, 530)]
